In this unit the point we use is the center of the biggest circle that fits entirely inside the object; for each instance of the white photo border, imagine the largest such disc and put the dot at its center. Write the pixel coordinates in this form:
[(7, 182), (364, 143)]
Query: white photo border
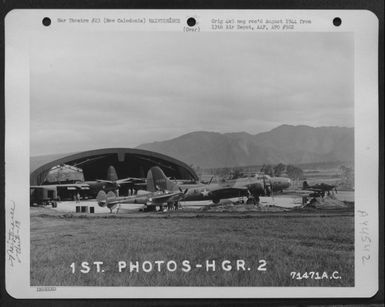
[(20, 26)]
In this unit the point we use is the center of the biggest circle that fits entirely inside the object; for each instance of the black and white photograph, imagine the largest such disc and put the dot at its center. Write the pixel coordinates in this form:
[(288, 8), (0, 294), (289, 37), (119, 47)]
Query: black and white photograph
[(210, 152)]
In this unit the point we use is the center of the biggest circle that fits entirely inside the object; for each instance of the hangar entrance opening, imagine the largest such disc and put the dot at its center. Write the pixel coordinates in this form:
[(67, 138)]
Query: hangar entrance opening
[(92, 166), (96, 167)]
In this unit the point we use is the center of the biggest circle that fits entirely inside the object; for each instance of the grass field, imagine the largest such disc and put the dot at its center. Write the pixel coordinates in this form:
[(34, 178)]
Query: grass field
[(289, 242)]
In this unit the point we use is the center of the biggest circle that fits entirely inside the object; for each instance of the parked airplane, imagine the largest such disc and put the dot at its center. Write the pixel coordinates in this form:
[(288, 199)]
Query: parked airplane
[(251, 187), (319, 189), (112, 183), (48, 193), (160, 192)]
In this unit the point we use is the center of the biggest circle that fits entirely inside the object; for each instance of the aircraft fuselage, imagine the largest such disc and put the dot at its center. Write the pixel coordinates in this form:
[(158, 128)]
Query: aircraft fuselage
[(232, 188)]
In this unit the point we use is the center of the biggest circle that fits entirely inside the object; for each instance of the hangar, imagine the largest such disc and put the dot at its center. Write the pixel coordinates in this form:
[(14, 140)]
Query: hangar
[(94, 164)]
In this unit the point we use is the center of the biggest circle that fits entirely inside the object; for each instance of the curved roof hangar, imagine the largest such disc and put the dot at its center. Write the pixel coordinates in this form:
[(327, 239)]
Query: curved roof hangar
[(128, 162)]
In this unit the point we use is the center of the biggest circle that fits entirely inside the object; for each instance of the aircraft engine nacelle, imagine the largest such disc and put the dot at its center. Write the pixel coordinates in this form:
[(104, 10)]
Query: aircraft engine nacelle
[(256, 189), (104, 199)]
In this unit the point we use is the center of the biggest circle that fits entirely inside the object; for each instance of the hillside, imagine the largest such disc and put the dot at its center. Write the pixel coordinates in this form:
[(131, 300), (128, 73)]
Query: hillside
[(286, 144)]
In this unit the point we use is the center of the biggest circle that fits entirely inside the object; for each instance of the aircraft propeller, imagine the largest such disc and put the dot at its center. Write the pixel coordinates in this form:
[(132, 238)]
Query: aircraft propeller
[(265, 187)]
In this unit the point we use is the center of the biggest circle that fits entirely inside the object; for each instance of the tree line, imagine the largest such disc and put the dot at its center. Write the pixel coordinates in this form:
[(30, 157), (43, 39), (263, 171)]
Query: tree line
[(293, 172)]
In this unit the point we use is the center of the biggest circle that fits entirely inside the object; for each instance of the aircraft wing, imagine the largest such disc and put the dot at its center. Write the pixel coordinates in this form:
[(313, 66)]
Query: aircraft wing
[(110, 199), (154, 199), (123, 181), (69, 186), (226, 192), (308, 189), (130, 180), (140, 185), (303, 192), (164, 198)]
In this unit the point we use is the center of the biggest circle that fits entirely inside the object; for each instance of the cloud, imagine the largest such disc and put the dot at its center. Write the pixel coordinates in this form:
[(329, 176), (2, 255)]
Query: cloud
[(93, 90)]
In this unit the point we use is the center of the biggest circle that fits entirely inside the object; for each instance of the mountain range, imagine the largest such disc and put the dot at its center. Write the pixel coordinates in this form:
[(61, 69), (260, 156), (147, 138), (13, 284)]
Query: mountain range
[(285, 144)]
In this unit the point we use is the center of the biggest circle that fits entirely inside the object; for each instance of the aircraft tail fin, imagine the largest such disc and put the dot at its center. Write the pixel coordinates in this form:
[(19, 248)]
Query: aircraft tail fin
[(111, 174), (157, 181)]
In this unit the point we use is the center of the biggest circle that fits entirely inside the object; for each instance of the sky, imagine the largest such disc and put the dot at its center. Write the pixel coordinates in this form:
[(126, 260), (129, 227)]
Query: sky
[(91, 90)]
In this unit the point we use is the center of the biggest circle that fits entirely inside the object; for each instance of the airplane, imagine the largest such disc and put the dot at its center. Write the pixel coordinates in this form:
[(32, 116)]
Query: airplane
[(250, 187), (112, 183), (160, 192), (48, 193), (319, 189)]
